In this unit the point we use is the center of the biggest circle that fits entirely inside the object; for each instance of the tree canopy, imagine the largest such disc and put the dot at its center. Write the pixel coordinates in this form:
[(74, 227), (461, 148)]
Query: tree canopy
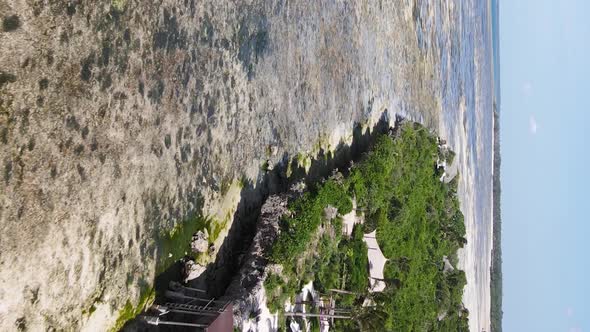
[(419, 224)]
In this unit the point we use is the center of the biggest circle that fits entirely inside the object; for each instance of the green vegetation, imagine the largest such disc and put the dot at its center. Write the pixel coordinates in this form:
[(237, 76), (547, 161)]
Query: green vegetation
[(357, 262), (119, 5), (496, 269), (173, 245), (177, 243), (278, 291), (308, 211), (340, 263), (129, 311), (418, 223), (304, 161)]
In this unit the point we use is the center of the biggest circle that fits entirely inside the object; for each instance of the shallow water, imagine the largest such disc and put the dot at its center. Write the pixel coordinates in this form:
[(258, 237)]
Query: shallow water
[(459, 33)]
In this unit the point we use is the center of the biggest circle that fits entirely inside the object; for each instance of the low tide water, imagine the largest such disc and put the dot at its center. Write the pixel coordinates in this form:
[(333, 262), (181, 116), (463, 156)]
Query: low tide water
[(459, 35)]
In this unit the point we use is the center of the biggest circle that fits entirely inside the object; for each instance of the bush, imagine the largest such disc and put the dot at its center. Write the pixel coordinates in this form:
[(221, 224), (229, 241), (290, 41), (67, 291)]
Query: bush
[(278, 291), (297, 231), (418, 222), (357, 262)]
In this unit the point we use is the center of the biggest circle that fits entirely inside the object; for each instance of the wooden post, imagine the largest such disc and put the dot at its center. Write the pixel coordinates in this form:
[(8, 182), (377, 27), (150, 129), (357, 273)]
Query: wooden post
[(156, 321), (304, 314), (174, 285), (178, 295), (196, 313), (340, 291)]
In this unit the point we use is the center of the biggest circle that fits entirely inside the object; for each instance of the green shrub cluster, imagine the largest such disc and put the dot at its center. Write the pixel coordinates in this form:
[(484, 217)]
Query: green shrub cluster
[(341, 264), (297, 231), (129, 311), (278, 290), (418, 223), (356, 261)]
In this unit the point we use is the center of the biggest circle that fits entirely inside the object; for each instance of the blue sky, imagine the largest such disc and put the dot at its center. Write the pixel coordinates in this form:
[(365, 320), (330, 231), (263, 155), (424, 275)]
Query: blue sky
[(545, 86)]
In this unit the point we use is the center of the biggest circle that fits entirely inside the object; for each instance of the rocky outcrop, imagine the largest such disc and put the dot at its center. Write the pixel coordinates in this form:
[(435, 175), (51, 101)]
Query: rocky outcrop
[(330, 212), (192, 270), (200, 242), (245, 287)]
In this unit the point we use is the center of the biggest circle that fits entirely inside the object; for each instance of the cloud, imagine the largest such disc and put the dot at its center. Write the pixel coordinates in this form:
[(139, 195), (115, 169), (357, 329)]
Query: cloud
[(533, 125), (575, 329), (569, 312)]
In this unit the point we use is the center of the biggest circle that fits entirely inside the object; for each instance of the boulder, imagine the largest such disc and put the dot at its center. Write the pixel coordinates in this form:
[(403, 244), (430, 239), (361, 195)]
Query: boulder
[(330, 212), (273, 150), (192, 270), (200, 242)]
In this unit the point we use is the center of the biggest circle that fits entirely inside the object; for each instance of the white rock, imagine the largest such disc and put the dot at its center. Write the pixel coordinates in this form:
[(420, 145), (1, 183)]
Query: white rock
[(330, 212), (274, 150), (192, 270), (200, 242)]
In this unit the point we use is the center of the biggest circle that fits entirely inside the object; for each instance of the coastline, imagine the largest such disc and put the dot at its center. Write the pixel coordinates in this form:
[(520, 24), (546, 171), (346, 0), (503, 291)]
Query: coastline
[(153, 129)]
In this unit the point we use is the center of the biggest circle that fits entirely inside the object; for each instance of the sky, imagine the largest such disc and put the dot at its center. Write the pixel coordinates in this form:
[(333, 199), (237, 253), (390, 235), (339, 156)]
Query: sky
[(545, 133)]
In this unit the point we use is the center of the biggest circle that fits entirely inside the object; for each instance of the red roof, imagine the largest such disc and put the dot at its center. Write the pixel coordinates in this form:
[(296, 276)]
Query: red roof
[(224, 322)]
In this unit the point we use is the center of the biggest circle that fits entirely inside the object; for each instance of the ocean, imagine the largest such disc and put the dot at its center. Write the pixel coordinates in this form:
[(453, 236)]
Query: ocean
[(459, 33)]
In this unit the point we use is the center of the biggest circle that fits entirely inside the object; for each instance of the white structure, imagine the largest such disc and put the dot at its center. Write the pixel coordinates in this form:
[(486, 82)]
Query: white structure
[(376, 262)]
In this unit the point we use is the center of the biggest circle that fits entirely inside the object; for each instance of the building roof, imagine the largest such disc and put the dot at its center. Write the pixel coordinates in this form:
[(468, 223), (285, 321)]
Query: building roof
[(224, 322)]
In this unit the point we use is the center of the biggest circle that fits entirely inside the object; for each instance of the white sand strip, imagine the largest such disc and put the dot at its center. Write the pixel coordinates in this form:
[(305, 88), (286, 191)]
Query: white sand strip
[(376, 262)]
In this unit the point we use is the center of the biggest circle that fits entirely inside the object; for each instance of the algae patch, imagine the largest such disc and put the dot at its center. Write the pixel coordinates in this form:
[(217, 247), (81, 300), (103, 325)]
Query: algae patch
[(119, 5), (129, 311)]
